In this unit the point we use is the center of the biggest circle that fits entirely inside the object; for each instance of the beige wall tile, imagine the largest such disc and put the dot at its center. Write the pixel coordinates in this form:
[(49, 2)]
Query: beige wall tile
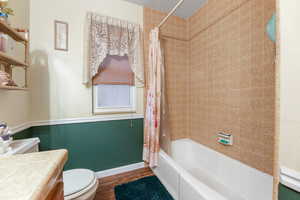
[(233, 78), (222, 79)]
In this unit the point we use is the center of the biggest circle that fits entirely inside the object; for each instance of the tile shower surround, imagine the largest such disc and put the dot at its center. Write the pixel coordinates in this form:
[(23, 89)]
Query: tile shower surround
[(220, 74)]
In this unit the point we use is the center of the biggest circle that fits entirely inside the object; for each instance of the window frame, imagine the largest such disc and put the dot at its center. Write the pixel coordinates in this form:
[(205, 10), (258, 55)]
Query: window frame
[(115, 110)]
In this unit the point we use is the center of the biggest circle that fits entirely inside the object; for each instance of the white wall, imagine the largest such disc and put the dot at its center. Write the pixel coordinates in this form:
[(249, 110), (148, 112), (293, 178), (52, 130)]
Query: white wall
[(290, 84), (56, 76), (15, 105)]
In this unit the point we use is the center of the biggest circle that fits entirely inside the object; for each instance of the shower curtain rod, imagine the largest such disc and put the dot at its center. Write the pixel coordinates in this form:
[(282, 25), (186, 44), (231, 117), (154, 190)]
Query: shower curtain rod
[(170, 13)]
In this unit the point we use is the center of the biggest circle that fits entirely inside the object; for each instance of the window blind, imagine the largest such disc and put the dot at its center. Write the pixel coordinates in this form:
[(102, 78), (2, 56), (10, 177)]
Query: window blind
[(115, 70)]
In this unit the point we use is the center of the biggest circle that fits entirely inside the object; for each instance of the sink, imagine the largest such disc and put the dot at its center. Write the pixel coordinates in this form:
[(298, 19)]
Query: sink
[(23, 146)]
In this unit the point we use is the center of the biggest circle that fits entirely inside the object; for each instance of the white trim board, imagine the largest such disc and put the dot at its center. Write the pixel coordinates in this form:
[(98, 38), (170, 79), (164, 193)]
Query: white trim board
[(120, 170), (88, 119), (27, 125), (19, 128), (290, 178)]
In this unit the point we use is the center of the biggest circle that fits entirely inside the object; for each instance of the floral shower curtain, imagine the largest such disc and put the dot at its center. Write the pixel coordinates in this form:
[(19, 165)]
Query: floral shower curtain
[(155, 117)]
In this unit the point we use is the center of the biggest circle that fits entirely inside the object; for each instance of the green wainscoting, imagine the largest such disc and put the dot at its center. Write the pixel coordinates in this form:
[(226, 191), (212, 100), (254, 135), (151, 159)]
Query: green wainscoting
[(97, 145), (23, 134), (286, 193)]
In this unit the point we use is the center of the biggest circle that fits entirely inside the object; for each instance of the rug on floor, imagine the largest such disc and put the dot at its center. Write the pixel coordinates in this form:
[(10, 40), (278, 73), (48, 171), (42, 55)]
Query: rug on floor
[(149, 188)]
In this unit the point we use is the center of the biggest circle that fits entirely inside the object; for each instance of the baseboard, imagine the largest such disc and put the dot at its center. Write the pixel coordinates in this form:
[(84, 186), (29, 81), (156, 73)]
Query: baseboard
[(120, 170), (290, 178)]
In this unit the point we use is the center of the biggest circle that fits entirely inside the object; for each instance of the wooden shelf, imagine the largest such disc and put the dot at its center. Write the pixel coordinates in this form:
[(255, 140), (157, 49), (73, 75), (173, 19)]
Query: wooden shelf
[(9, 61), (12, 61), (5, 28), (12, 88)]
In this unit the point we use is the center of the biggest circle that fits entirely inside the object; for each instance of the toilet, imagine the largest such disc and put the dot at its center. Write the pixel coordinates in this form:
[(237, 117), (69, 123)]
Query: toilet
[(80, 184)]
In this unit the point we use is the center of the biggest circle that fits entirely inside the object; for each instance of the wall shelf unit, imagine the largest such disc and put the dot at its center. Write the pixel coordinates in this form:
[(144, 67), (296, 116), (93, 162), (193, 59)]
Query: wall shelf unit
[(8, 61), (12, 88), (4, 28)]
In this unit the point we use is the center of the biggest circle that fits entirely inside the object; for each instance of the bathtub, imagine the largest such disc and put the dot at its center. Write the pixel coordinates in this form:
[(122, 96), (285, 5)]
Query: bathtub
[(195, 172)]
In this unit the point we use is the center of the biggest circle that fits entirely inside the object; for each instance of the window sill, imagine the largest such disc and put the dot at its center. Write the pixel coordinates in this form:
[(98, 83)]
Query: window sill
[(117, 116), (97, 113)]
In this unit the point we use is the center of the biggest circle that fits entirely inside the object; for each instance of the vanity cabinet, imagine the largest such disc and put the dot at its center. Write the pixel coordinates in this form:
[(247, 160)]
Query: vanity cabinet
[(37, 176), (57, 190)]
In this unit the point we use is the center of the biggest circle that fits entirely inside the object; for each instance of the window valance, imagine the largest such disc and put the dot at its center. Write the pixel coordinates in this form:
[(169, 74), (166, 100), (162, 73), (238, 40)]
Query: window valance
[(111, 36)]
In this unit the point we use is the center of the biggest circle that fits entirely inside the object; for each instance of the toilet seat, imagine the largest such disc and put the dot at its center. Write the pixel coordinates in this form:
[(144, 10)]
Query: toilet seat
[(77, 182)]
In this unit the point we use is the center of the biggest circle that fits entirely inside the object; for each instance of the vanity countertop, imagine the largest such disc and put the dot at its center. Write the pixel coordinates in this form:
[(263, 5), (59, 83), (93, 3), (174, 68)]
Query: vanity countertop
[(30, 176)]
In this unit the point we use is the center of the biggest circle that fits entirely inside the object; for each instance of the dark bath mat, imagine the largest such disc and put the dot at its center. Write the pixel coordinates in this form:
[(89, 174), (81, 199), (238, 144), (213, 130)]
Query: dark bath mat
[(149, 188)]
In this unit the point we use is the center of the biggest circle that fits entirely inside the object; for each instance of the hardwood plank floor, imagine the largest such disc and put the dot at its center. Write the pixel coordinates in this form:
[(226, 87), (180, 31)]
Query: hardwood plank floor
[(107, 185)]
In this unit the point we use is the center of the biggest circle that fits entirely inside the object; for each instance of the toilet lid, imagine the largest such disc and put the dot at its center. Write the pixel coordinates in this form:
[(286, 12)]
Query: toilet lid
[(76, 180)]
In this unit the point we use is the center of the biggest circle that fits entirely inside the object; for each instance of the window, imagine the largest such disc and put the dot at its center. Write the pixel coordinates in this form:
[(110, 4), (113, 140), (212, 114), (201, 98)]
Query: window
[(113, 87)]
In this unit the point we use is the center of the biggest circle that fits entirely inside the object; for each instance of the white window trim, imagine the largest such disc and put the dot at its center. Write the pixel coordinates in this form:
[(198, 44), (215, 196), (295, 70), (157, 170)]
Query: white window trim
[(115, 110)]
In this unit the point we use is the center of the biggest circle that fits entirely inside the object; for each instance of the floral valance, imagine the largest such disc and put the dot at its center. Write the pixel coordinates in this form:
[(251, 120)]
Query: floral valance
[(111, 36)]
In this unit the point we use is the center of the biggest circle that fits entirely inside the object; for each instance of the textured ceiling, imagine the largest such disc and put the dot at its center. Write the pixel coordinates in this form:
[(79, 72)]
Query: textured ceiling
[(187, 9)]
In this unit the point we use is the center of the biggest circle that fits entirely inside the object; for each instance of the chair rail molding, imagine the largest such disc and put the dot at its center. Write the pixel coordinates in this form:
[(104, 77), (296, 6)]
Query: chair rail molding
[(24, 126), (290, 178)]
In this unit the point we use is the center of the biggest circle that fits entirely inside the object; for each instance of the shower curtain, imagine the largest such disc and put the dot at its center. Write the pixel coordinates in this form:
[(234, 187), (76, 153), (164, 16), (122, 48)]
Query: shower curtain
[(156, 125)]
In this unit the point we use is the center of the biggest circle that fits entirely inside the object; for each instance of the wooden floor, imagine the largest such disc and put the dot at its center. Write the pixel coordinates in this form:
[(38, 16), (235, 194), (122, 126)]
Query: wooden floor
[(107, 185)]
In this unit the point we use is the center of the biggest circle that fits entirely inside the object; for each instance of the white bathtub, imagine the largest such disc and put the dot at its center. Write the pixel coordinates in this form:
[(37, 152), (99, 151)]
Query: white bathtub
[(195, 172)]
